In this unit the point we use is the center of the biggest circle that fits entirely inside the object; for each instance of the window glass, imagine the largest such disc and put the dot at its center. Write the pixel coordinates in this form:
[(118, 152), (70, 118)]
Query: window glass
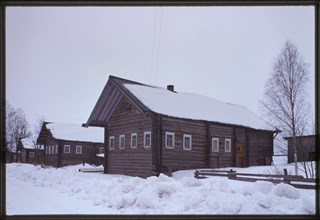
[(122, 141), (134, 140), (215, 144), (67, 149), (111, 142), (147, 139), (101, 150), (227, 145), (78, 149), (169, 140), (187, 142)]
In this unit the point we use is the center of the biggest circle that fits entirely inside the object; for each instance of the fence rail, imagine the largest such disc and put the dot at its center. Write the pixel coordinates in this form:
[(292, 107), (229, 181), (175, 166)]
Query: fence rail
[(91, 170), (294, 180)]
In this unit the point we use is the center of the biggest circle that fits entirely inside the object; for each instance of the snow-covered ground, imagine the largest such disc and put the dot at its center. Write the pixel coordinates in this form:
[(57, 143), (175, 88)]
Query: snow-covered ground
[(35, 190)]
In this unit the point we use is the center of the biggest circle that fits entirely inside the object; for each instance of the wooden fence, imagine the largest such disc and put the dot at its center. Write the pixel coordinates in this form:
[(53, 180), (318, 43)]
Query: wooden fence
[(293, 180)]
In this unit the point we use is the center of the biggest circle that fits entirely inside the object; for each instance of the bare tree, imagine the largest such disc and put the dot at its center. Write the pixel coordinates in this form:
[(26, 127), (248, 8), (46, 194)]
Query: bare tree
[(36, 130), (284, 103), (17, 127), (34, 137)]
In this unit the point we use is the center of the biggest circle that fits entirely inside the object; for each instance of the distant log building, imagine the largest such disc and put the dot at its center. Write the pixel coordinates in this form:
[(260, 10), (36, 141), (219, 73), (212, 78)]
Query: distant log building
[(69, 144), (306, 148), (28, 152)]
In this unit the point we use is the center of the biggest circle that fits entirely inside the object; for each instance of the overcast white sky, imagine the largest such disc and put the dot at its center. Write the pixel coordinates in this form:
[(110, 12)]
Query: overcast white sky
[(59, 59)]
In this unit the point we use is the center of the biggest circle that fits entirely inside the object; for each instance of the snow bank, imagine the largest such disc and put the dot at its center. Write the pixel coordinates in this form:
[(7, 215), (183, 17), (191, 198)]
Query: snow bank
[(119, 194)]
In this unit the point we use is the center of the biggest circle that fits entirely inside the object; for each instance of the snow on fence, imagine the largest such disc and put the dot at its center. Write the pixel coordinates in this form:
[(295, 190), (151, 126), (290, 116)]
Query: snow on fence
[(294, 180)]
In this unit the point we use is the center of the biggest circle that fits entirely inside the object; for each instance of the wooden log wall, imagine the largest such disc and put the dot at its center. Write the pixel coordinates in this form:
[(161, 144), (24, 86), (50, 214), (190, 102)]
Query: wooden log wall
[(125, 120), (178, 158), (241, 139), (72, 158), (221, 158), (260, 147)]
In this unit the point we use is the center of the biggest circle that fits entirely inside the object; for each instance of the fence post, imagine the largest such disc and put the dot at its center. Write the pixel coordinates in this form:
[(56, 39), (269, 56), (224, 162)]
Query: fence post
[(231, 174), (196, 174)]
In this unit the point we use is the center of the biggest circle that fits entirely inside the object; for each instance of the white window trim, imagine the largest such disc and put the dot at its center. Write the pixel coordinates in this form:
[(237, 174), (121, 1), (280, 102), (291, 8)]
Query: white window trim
[(102, 148), (169, 133), (215, 139), (110, 146), (144, 139), (64, 149), (187, 136), (225, 144), (124, 137), (31, 154), (78, 147), (131, 142)]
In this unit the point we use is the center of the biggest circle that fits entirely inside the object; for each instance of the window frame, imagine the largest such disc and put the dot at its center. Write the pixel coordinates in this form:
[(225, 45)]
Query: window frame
[(144, 139), (65, 147), (124, 142), (215, 139), (131, 140), (184, 143), (101, 148), (225, 145), (168, 133), (78, 147)]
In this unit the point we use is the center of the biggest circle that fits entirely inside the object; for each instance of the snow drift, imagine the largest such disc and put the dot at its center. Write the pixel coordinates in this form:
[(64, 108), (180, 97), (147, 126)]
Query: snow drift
[(67, 191)]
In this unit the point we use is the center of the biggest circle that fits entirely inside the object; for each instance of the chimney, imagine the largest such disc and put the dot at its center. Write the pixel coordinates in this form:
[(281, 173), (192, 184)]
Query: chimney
[(170, 88)]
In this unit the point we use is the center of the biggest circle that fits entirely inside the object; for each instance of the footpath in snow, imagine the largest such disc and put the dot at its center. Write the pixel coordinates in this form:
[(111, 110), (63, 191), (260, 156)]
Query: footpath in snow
[(35, 190)]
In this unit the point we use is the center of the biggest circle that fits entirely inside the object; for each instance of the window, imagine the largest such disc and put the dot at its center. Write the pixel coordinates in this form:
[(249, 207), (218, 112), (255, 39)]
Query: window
[(67, 149), (147, 139), (101, 150), (78, 149), (111, 142), (187, 142), (134, 140), (227, 145), (31, 154), (52, 149), (47, 149), (122, 141), (170, 140), (215, 145), (56, 149)]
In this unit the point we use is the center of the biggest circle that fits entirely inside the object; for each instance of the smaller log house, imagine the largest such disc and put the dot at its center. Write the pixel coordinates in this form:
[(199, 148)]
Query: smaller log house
[(306, 148), (28, 152), (70, 144), (151, 130)]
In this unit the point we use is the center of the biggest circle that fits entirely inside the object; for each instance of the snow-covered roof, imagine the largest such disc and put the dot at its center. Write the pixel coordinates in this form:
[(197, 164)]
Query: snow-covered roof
[(193, 106), (75, 132), (27, 143)]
